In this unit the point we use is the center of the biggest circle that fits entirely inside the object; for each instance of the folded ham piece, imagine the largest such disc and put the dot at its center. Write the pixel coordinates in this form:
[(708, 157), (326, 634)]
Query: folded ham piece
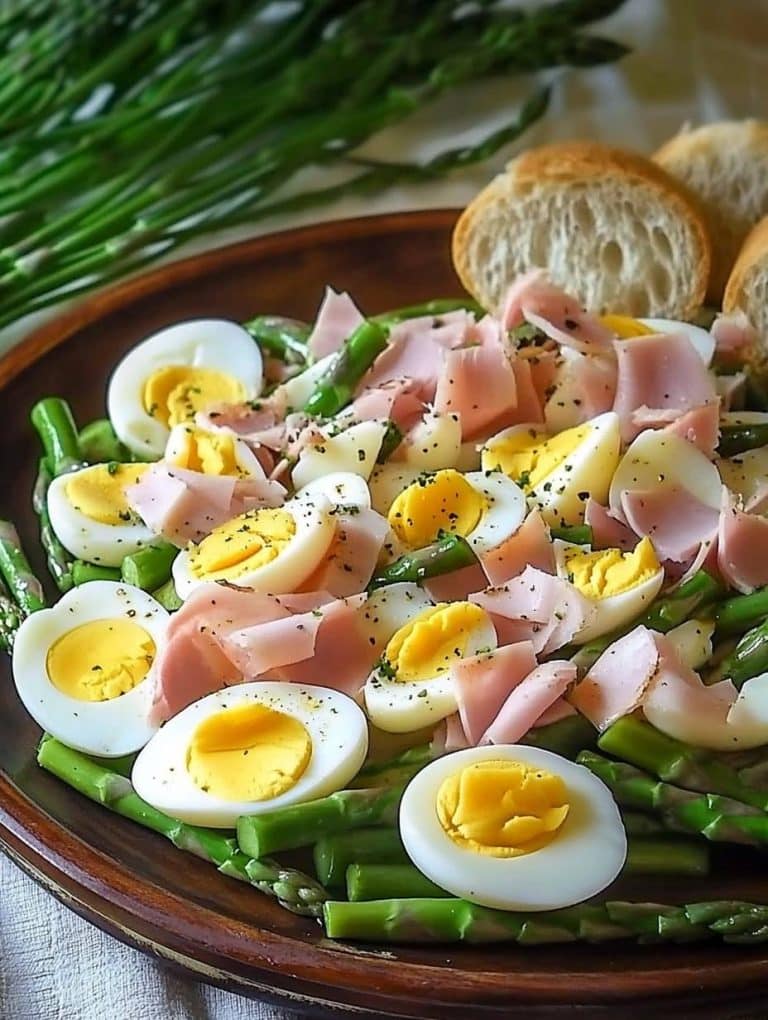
[(529, 700), (617, 682), (676, 522), (337, 318), (478, 384), (742, 548), (483, 683), (529, 546)]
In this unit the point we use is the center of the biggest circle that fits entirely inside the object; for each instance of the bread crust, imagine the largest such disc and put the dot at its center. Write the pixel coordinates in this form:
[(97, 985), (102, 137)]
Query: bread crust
[(722, 134), (571, 162), (754, 250)]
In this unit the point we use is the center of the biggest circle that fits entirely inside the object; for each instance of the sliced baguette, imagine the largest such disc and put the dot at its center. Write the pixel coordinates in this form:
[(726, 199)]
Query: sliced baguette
[(726, 166), (610, 226), (747, 287)]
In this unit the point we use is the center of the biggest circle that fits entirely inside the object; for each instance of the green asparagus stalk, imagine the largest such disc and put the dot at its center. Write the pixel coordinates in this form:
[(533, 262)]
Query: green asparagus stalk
[(294, 890), (53, 421), (10, 618), (149, 568), (451, 920), (388, 881), (566, 736), (304, 824), (83, 572), (638, 824), (99, 444), (280, 337), (647, 855), (393, 437), (167, 596), (58, 559), (397, 770), (637, 742), (336, 388), (717, 818), (736, 439), (436, 308), (749, 658), (580, 534), (333, 854), (450, 552), (740, 613), (17, 573)]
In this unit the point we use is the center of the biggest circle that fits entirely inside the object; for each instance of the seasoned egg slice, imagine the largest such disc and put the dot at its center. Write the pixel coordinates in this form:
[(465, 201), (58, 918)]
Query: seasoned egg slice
[(252, 748), (354, 450), (513, 827), (83, 668), (211, 451)]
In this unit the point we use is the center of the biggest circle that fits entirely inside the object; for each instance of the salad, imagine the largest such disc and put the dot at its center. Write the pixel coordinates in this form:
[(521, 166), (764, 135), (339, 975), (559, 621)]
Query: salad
[(529, 551)]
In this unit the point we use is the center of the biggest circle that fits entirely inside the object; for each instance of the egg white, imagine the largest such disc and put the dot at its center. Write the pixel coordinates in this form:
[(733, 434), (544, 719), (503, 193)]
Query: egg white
[(433, 443), (354, 450), (506, 510), (216, 344), (336, 726), (295, 392), (106, 728), (388, 480), (247, 462), (585, 856), (340, 488)]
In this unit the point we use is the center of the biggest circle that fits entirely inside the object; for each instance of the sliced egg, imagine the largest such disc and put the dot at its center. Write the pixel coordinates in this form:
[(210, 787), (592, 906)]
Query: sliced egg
[(84, 668), (167, 378), (355, 449), (747, 475), (513, 827), (432, 444), (484, 508), (271, 549), (411, 687), (558, 473), (388, 609), (251, 748), (211, 451), (387, 481), (620, 585), (294, 393), (91, 515), (341, 489), (692, 641)]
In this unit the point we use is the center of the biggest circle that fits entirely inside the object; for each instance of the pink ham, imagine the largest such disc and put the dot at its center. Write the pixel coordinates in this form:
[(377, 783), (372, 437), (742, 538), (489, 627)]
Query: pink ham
[(337, 318), (528, 406), (675, 521), (456, 586), (584, 386), (243, 419), (266, 646), (449, 736), (617, 682), (663, 372), (529, 700), (394, 400), (486, 332), (557, 711), (184, 506), (532, 298), (734, 334), (478, 384), (742, 548), (545, 365), (700, 426), (529, 546), (351, 559), (607, 531), (483, 682)]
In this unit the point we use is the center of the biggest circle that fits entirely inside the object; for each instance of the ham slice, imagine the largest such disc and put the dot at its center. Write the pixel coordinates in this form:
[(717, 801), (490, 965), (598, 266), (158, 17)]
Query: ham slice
[(699, 426), (483, 682), (266, 646), (617, 682), (394, 400), (742, 548), (734, 334), (478, 384), (529, 700), (528, 406), (529, 546), (337, 318), (608, 532), (415, 358), (456, 586), (183, 506), (558, 710), (675, 521), (351, 560), (584, 387), (663, 372), (532, 298)]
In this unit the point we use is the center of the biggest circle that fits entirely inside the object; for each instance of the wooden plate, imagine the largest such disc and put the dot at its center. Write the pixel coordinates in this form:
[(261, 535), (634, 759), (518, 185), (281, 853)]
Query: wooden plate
[(134, 884)]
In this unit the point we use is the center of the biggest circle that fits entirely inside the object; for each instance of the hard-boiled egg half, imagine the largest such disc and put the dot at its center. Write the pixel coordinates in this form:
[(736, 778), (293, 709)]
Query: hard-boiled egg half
[(485, 508), (272, 549), (620, 585), (91, 514), (513, 827), (558, 473), (249, 749), (83, 669), (211, 451), (167, 378), (411, 687)]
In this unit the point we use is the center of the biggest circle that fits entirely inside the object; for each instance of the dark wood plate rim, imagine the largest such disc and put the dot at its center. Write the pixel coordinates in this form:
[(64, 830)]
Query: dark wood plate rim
[(254, 960)]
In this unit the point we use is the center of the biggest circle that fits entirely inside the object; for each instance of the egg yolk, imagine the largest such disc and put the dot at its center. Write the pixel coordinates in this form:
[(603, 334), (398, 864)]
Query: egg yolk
[(244, 544), (98, 492), (175, 393), (427, 645), (528, 459), (213, 453), (248, 753), (502, 808), (444, 501), (598, 575), (100, 660), (625, 327)]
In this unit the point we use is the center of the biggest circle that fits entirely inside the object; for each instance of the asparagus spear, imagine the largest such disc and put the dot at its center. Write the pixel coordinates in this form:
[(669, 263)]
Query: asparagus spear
[(294, 890), (580, 534), (83, 572), (452, 920), (336, 388), (149, 568), (749, 658), (388, 881), (450, 552), (736, 439), (281, 337), (647, 855), (333, 854), (58, 559), (167, 596), (717, 818), (53, 421), (99, 444), (740, 613), (436, 307), (393, 437), (17, 573), (398, 770), (10, 618), (566, 736), (303, 824)]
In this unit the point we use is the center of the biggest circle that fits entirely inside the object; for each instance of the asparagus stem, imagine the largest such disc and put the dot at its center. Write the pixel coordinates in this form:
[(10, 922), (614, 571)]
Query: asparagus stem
[(397, 770), (393, 437), (336, 388), (167, 597), (717, 818), (580, 534), (750, 656), (655, 856), (10, 618), (333, 854), (58, 558), (740, 613), (149, 568), (388, 881), (99, 444), (673, 761), (52, 418), (83, 572), (95, 780), (17, 573), (436, 307), (566, 736), (282, 338), (450, 552), (638, 824), (304, 824), (736, 439)]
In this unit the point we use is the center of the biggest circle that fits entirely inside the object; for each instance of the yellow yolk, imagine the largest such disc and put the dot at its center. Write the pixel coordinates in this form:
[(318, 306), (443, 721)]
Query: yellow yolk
[(444, 501), (99, 492), (427, 645), (176, 393), (100, 660), (243, 544), (502, 808), (528, 459), (599, 575), (249, 752), (213, 453), (625, 327)]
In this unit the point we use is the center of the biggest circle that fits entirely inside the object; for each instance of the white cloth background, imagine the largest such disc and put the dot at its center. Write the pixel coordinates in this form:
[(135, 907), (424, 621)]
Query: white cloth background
[(692, 60)]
